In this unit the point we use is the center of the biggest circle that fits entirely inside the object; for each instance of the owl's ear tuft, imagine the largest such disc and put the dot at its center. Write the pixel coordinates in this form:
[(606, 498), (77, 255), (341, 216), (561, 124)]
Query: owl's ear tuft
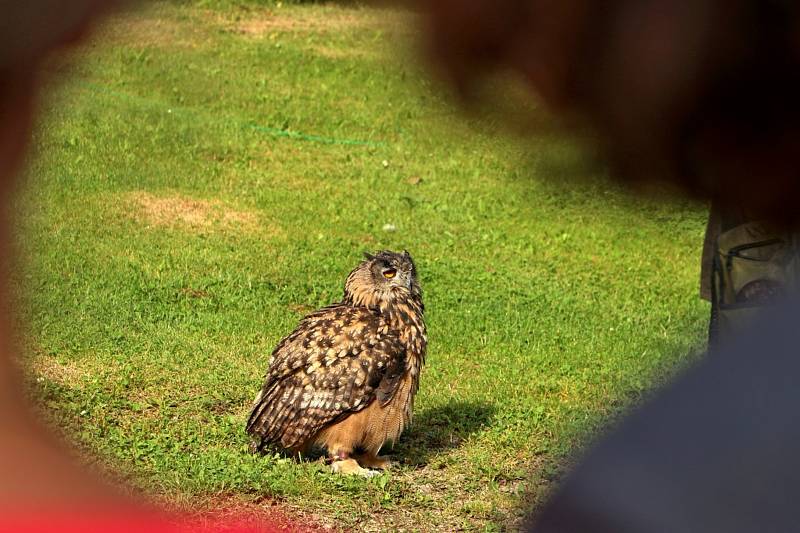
[(369, 256)]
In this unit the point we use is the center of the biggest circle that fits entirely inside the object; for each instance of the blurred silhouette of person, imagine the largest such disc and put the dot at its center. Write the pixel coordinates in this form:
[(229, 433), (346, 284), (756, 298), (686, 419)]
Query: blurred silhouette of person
[(42, 488), (34, 471), (702, 96)]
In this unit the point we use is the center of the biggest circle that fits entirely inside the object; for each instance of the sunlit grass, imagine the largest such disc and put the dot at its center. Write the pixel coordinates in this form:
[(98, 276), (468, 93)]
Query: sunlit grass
[(211, 171)]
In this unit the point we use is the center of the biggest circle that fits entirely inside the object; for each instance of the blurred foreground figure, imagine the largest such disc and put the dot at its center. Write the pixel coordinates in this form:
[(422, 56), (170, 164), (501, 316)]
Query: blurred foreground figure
[(41, 487), (35, 474), (704, 96), (701, 95)]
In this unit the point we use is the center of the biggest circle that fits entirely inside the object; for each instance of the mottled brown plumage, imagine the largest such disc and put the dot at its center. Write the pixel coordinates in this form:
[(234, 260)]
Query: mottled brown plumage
[(346, 377)]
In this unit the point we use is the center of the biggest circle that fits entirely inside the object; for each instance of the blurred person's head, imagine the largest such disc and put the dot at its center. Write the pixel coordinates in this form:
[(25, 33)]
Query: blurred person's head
[(702, 94), (29, 32)]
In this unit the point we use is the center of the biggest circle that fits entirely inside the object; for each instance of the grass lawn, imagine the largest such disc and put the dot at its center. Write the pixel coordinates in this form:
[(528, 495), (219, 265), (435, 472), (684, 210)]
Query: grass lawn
[(210, 171)]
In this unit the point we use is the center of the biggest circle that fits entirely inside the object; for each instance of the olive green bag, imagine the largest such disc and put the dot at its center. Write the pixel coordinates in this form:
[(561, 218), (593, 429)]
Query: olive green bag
[(753, 266)]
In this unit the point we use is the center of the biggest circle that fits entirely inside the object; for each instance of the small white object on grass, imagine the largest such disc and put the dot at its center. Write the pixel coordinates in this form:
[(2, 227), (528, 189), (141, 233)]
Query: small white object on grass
[(389, 227)]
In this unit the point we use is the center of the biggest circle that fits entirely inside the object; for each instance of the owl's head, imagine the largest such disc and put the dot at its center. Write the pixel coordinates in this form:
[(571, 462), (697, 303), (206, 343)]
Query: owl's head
[(382, 278)]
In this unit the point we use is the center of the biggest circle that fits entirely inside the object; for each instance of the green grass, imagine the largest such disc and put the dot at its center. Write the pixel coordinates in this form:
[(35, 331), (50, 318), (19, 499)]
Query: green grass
[(195, 190)]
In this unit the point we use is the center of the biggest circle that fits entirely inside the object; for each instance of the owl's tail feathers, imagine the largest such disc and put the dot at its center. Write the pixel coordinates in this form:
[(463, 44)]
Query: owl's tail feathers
[(256, 422), (272, 412)]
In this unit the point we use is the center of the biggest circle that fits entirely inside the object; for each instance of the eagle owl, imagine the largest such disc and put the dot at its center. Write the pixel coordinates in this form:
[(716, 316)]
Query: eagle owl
[(345, 378)]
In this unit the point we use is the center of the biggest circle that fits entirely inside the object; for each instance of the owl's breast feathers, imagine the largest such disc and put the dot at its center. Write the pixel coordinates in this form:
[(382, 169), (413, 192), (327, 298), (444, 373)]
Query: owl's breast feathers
[(336, 362)]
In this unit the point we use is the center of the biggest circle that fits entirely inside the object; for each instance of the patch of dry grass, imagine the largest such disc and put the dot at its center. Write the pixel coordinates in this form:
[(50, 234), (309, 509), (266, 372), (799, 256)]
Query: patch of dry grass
[(67, 374), (190, 213), (259, 23)]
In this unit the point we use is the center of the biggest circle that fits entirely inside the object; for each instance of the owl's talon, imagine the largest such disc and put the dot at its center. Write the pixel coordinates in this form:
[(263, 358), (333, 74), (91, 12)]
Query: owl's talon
[(351, 467), (375, 461)]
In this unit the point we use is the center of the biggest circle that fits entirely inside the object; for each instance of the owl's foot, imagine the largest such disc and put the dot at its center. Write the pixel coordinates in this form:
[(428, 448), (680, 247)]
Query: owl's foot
[(374, 461), (351, 467)]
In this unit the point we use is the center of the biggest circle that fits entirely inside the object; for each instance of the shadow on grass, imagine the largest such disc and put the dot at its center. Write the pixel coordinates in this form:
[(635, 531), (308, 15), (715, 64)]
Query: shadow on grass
[(434, 430), (441, 428)]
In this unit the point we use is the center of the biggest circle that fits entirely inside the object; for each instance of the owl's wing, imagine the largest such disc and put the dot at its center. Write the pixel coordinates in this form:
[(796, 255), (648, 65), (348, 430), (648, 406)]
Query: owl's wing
[(336, 362)]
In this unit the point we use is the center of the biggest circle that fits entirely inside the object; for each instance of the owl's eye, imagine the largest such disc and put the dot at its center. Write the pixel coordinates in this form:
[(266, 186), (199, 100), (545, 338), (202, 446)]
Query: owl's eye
[(390, 273)]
